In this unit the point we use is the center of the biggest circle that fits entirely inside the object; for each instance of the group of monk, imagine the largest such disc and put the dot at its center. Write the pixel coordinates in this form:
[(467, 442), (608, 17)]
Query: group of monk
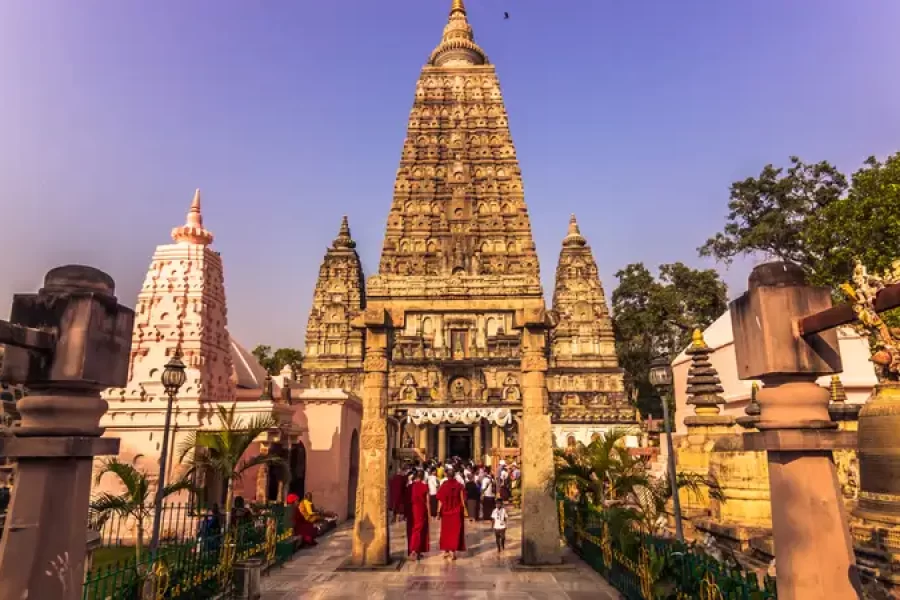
[(451, 493)]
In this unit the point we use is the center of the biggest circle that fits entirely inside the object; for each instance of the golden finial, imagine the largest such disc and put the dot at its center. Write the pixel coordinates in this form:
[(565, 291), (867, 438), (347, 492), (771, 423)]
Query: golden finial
[(458, 6), (574, 237), (697, 340)]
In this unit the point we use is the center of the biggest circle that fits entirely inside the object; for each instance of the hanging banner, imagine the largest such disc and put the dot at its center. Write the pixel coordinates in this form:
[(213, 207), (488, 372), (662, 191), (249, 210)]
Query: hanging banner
[(467, 416)]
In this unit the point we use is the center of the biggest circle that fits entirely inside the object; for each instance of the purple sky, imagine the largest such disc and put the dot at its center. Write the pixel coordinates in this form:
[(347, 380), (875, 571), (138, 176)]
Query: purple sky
[(287, 114)]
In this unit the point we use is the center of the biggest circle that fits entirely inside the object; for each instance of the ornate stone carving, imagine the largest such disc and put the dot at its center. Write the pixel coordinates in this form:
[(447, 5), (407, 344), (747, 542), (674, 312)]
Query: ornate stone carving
[(376, 363), (334, 349), (534, 362), (582, 345), (373, 435)]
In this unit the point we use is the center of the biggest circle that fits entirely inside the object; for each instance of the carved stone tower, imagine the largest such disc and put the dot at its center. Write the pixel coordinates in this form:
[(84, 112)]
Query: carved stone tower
[(455, 322), (182, 305), (334, 350), (585, 381)]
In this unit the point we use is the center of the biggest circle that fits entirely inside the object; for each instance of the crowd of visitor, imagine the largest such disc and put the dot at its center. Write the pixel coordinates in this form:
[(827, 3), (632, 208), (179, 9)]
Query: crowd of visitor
[(451, 491)]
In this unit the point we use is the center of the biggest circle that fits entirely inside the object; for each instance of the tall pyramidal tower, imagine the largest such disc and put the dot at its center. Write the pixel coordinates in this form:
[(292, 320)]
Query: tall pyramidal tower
[(458, 259)]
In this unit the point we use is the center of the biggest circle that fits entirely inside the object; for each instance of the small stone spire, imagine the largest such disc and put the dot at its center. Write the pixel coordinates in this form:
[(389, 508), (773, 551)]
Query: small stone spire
[(574, 237), (752, 411), (343, 239), (703, 381), (457, 45), (838, 409), (193, 232)]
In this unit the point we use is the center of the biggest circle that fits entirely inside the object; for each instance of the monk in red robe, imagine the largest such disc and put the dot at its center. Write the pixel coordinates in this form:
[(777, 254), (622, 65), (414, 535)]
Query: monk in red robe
[(452, 508), (396, 491), (303, 529), (420, 515)]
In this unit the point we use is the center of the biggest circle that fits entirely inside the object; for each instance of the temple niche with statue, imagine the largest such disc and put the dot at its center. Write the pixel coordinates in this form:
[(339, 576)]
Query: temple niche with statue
[(458, 268)]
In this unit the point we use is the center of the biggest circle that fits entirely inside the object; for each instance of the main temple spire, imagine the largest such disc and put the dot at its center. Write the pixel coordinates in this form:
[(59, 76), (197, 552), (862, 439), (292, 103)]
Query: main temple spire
[(457, 45)]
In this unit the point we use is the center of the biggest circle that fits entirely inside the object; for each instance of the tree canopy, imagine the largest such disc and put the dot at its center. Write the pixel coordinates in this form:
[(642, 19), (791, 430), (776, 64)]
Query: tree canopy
[(274, 362), (809, 215), (655, 316)]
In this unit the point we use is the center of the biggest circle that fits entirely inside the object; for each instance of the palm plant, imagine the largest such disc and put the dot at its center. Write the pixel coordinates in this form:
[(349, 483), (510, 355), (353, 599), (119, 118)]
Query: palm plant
[(135, 502), (226, 448), (604, 471)]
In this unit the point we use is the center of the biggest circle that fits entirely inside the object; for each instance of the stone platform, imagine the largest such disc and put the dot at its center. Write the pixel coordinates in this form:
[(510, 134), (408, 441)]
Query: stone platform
[(479, 573)]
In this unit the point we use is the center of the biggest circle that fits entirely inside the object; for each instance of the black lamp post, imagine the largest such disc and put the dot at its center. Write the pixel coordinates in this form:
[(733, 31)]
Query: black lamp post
[(661, 379), (173, 377)]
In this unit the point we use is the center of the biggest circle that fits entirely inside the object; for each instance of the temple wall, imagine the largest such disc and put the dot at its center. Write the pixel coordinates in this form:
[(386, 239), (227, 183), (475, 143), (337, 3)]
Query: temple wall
[(585, 432), (329, 422)]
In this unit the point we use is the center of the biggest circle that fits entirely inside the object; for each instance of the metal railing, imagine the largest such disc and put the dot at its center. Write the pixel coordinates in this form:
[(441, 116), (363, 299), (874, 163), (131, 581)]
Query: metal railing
[(644, 567), (196, 567)]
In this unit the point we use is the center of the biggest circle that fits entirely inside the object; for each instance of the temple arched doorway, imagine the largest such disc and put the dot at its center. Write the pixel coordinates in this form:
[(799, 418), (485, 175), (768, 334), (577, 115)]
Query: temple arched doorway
[(297, 484), (353, 480)]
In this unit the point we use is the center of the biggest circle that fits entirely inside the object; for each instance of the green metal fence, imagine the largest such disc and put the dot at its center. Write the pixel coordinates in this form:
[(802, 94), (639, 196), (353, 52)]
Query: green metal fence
[(646, 568), (197, 568)]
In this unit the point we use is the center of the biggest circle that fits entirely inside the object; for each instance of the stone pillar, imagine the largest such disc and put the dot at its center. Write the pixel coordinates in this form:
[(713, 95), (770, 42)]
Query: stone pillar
[(371, 541), (442, 442), (540, 527), (262, 477), (423, 439), (477, 452), (79, 340), (813, 549)]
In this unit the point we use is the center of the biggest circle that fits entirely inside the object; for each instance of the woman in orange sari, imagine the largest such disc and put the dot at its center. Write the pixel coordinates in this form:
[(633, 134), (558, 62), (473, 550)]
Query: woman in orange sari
[(451, 506), (420, 514)]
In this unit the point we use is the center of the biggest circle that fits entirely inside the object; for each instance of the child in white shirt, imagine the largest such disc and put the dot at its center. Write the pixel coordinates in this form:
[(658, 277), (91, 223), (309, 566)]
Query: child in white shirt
[(499, 517)]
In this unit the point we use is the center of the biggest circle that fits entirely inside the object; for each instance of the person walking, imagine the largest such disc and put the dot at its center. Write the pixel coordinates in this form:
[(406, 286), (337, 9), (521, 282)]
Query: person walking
[(452, 506), (433, 485), (473, 498), (420, 514), (487, 496), (500, 518)]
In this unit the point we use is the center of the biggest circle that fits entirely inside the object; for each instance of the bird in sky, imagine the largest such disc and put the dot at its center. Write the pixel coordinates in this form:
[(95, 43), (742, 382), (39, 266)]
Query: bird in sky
[(505, 15)]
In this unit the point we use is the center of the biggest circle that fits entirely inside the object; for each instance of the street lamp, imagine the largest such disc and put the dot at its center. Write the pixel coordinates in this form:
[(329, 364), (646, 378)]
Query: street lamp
[(173, 377), (661, 379)]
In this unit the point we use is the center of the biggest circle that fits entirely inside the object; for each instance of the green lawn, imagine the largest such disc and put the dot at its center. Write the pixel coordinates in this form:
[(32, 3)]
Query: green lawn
[(111, 554)]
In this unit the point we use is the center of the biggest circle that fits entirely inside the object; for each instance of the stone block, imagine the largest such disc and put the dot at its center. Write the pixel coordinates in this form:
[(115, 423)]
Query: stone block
[(92, 331), (764, 318)]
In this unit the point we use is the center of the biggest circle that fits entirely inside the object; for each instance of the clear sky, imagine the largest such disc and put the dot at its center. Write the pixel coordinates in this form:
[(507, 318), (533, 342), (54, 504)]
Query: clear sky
[(635, 115)]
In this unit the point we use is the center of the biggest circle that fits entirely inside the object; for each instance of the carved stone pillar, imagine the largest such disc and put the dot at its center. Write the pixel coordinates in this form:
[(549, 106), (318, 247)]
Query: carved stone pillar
[(78, 340), (423, 439), (262, 478), (371, 541), (477, 453), (813, 549), (442, 442), (540, 527)]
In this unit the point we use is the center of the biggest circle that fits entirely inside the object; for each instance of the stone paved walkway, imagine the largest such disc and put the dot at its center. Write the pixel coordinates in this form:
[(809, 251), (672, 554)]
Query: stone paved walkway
[(479, 574)]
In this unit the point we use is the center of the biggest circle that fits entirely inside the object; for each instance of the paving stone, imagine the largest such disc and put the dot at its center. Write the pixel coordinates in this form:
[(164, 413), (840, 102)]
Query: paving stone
[(478, 574)]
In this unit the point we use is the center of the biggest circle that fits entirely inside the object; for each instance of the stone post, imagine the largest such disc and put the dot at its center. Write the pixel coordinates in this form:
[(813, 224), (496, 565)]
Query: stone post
[(442, 442), (476, 435), (813, 549), (540, 527), (371, 541), (86, 341), (423, 438)]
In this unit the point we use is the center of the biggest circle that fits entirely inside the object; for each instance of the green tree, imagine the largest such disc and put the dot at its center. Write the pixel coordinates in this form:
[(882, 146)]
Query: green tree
[(864, 225), (655, 316), (274, 362), (225, 449), (135, 503), (768, 215)]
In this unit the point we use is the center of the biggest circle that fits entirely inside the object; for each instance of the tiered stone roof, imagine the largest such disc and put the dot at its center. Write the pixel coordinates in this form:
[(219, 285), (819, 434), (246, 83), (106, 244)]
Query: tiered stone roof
[(458, 208), (585, 381), (334, 350), (704, 386)]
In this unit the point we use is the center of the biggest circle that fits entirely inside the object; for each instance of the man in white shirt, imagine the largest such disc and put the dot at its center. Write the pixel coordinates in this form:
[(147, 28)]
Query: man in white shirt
[(487, 496), (433, 485), (499, 519)]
